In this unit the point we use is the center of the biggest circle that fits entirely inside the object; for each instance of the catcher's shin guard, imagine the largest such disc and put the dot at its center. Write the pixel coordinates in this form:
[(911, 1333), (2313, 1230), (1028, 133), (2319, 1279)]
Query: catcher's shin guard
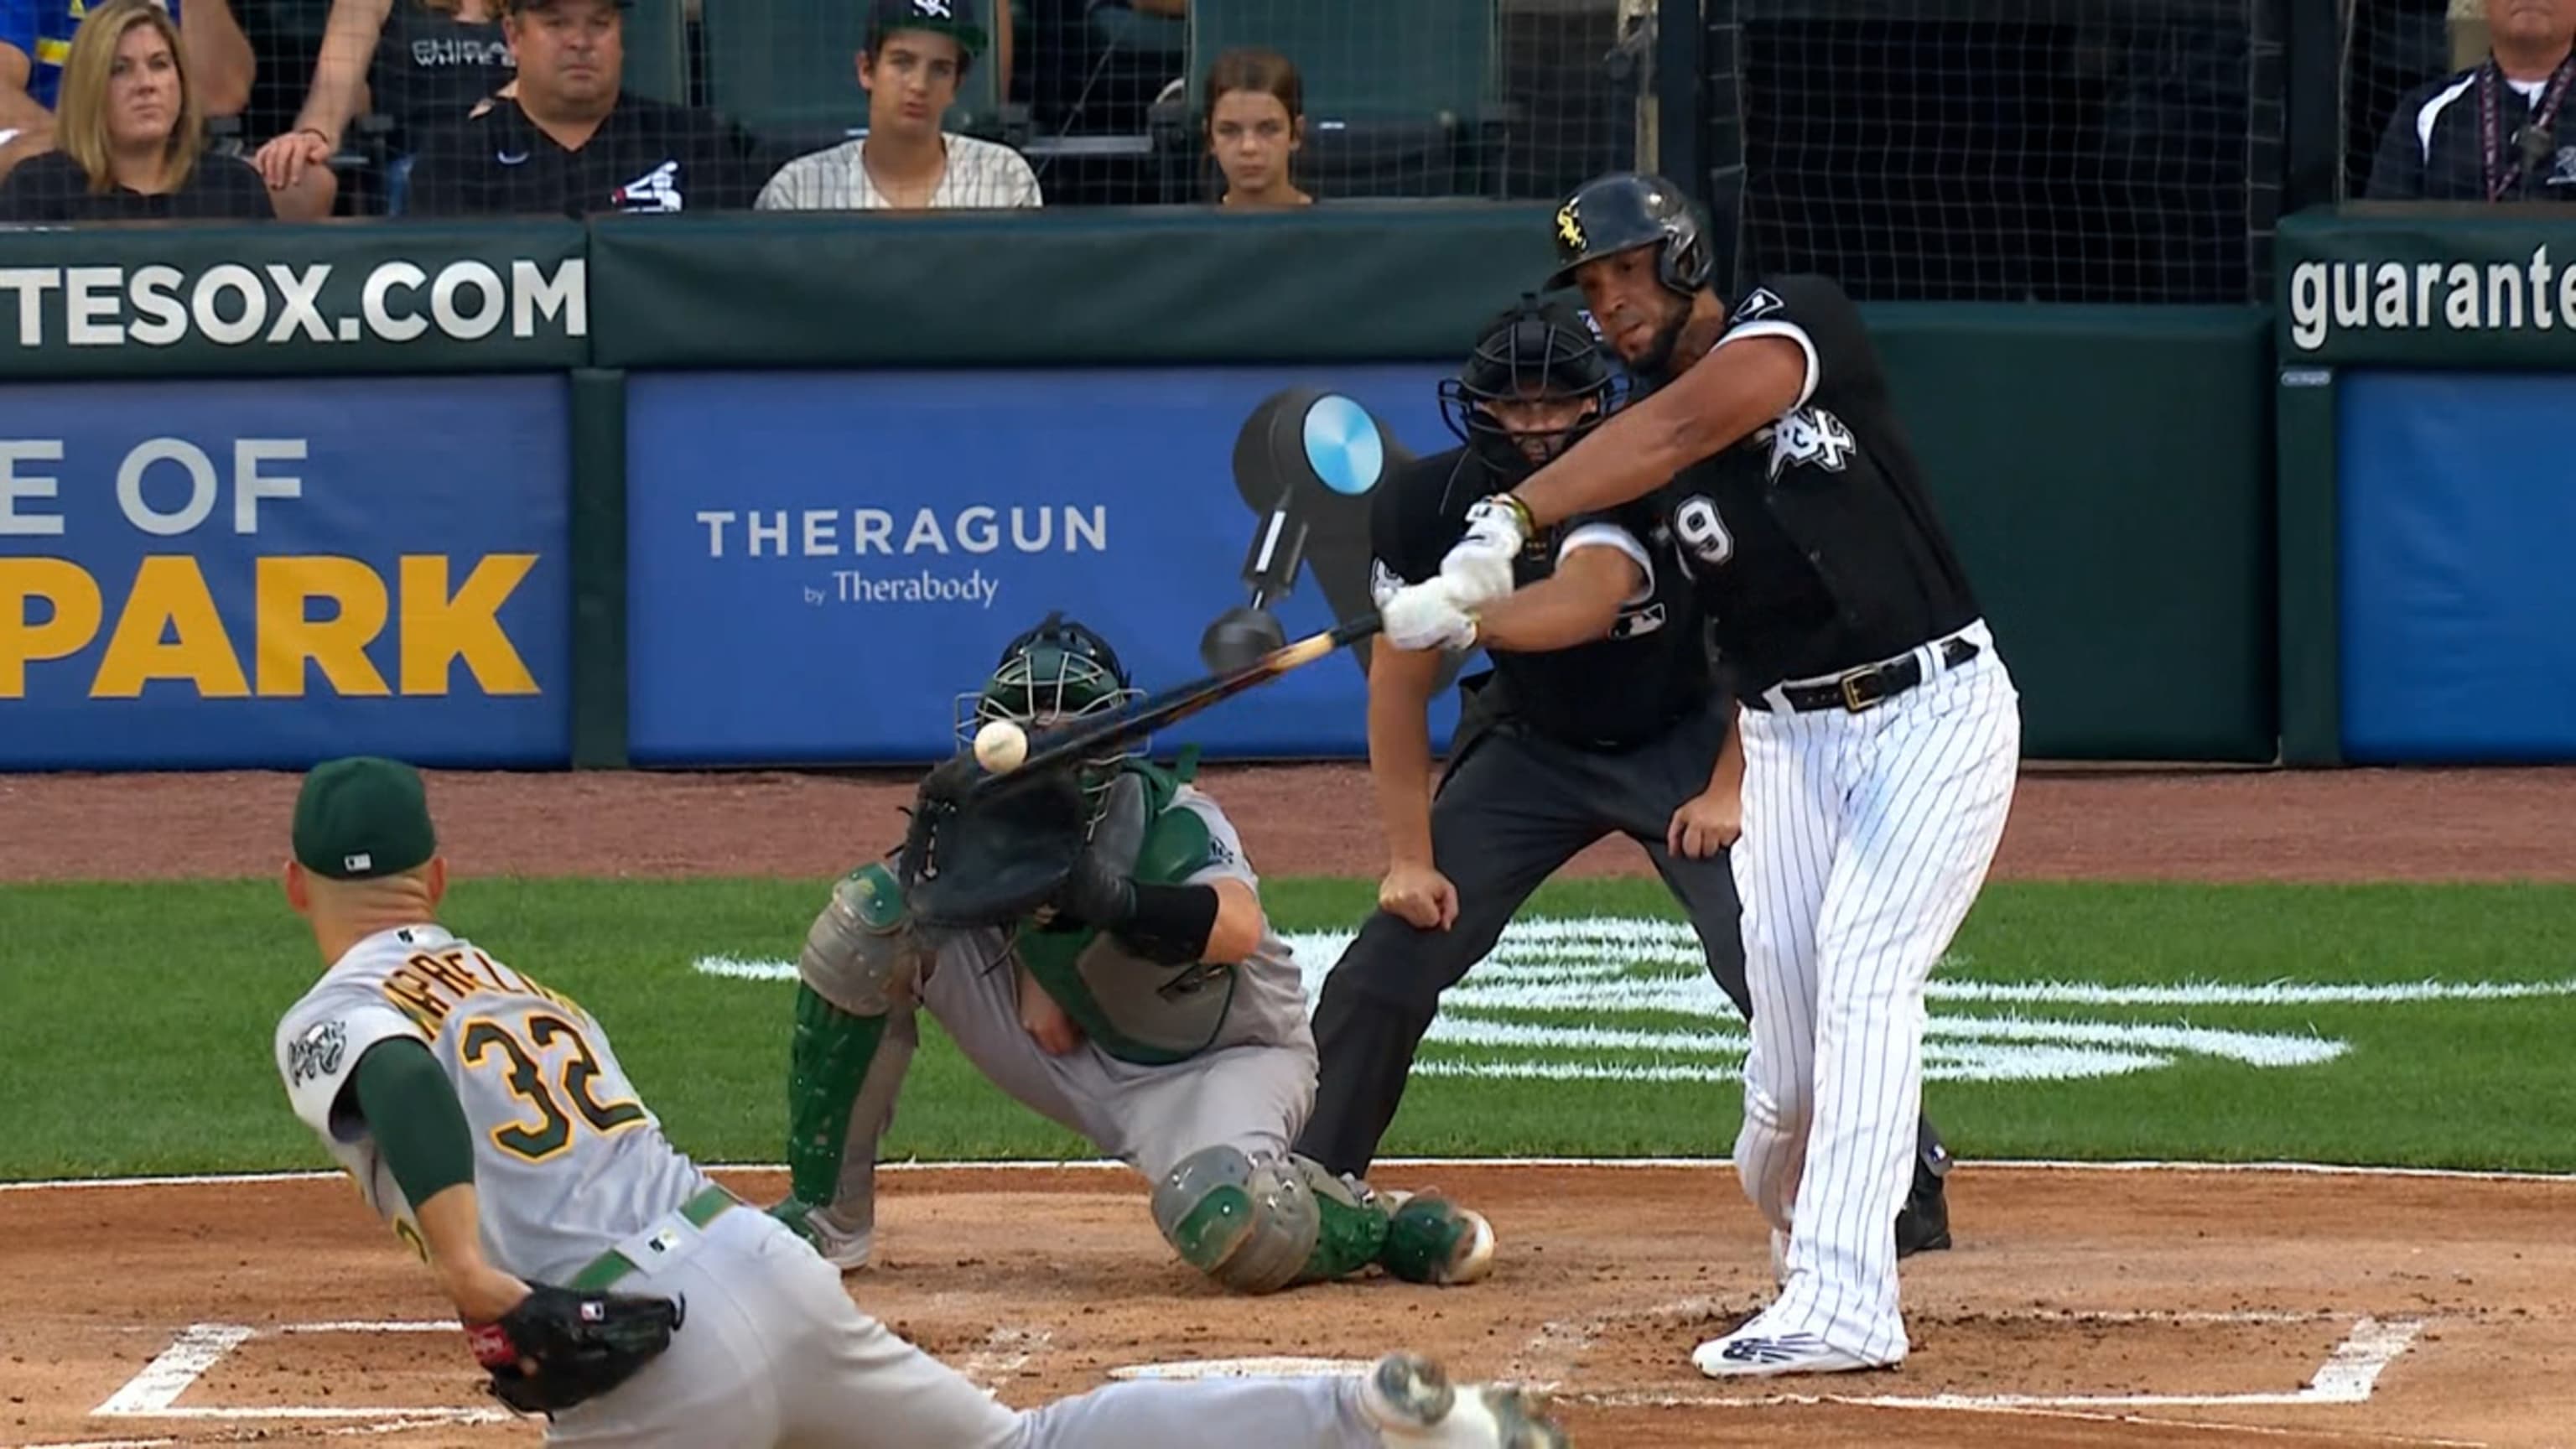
[(827, 1065)]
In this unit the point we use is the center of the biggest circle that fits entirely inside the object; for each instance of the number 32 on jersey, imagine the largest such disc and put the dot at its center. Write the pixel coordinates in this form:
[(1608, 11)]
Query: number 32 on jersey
[(557, 1099)]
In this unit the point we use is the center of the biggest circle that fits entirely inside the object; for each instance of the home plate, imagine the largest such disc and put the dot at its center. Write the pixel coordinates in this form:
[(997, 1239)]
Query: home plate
[(1249, 1368)]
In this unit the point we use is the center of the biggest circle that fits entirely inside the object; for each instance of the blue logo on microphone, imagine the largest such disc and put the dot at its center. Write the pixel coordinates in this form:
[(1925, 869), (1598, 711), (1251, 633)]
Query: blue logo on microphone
[(1342, 445)]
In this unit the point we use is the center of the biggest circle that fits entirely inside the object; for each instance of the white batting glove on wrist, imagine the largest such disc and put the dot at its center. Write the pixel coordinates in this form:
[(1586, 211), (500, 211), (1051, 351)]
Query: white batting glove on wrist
[(1426, 616), (1478, 568)]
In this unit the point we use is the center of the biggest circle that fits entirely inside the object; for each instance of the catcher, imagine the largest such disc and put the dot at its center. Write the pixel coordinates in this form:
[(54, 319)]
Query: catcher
[(602, 1279), (1094, 941)]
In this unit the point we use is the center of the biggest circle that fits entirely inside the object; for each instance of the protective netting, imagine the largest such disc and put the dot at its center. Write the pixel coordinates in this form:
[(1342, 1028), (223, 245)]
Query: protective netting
[(2008, 150), (362, 108)]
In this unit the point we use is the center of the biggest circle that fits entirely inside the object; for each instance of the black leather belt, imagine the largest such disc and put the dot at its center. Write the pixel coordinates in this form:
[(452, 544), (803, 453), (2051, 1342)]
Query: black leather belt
[(1867, 687)]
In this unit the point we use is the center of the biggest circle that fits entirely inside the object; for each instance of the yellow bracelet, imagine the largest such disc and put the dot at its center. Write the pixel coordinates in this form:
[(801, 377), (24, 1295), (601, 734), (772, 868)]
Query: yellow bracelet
[(1521, 511)]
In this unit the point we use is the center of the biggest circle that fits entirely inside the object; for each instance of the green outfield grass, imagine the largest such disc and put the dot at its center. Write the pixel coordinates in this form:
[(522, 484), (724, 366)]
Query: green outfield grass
[(135, 1025)]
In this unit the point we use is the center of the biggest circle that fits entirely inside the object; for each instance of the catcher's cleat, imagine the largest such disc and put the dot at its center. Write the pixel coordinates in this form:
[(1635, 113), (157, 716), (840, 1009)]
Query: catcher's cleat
[(1430, 1239), (1409, 1400), (1923, 1224), (839, 1246)]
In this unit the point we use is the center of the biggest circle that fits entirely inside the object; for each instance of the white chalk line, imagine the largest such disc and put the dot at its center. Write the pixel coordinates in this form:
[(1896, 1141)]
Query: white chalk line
[(2009, 1164), (2349, 1375), (154, 1391)]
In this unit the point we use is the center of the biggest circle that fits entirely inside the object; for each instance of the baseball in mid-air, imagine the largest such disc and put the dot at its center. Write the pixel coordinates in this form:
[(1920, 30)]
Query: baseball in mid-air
[(1000, 746)]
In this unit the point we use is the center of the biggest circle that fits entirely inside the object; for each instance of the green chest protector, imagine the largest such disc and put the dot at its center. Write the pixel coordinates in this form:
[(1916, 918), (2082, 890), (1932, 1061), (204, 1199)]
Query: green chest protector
[(1134, 1009)]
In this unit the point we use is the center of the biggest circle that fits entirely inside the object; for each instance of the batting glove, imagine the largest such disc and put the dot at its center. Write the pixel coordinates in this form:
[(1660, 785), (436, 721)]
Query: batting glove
[(1427, 616), (1478, 568)]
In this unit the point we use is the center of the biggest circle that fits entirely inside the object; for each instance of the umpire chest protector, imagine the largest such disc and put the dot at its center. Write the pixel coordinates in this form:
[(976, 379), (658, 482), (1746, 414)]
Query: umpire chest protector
[(1134, 1009)]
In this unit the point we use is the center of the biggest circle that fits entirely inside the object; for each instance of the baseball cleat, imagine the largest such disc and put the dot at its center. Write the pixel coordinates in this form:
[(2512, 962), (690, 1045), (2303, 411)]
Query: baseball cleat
[(1923, 1224), (839, 1246), (1755, 1351), (1409, 1400), (1430, 1239)]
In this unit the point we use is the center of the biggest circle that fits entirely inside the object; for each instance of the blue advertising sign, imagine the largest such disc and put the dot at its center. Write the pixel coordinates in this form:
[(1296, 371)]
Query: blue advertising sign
[(819, 563), (264, 574), (2455, 503)]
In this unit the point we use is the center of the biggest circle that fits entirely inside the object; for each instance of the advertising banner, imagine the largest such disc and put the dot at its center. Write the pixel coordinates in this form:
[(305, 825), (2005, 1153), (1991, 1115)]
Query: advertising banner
[(267, 574), (232, 301), (2427, 286), (2456, 500), (818, 563)]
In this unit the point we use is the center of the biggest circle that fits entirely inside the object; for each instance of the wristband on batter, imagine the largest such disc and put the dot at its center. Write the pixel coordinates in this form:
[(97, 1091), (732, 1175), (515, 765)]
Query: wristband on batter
[(1171, 924), (1520, 512)]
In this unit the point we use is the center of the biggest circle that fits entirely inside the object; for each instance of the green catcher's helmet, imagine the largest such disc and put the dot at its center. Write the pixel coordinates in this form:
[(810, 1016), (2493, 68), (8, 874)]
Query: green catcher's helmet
[(1054, 673)]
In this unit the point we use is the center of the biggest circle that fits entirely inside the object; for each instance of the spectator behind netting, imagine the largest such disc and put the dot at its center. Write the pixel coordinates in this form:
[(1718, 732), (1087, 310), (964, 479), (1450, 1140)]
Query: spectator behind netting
[(571, 142), (36, 37), (1256, 123), (917, 52), (130, 139), (421, 64), (2498, 131)]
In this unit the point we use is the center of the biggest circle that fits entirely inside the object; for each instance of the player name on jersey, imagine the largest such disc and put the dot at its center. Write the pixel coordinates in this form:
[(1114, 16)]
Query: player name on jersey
[(429, 985)]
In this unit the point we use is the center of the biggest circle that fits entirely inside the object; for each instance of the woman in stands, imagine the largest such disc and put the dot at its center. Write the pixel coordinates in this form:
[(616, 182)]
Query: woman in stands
[(1256, 121), (421, 64), (129, 140)]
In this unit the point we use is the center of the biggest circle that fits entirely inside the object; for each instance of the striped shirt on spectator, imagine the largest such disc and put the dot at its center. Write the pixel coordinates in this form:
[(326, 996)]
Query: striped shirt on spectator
[(980, 174)]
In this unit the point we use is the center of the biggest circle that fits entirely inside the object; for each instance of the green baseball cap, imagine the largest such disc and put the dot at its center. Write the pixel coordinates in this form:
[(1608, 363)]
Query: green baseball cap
[(362, 818)]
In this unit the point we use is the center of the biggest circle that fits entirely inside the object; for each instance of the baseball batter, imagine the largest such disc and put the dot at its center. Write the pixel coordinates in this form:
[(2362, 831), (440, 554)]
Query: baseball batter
[(1601, 715), (1150, 1008), (602, 1277), (1881, 729)]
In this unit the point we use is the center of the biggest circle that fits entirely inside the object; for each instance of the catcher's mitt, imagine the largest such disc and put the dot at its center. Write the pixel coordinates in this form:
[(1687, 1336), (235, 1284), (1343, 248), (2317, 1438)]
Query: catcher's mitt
[(996, 858), (560, 1347)]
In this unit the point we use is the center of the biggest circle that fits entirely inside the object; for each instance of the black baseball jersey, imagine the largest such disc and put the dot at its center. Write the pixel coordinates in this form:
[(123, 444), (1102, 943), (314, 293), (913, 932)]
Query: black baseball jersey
[(1813, 544), (646, 156), (1612, 693)]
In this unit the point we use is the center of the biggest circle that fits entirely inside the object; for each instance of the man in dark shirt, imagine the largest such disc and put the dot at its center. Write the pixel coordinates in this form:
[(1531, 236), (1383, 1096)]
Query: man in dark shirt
[(2500, 130), (573, 143), (1600, 716), (1881, 732)]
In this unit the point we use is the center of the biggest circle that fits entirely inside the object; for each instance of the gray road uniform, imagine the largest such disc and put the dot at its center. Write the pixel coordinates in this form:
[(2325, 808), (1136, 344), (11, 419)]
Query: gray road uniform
[(578, 1186), (1199, 1076)]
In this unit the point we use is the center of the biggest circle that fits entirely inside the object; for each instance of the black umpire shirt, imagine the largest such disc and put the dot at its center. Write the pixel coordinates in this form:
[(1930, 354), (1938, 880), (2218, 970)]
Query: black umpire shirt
[(1813, 545), (646, 156), (1610, 694), (2476, 136)]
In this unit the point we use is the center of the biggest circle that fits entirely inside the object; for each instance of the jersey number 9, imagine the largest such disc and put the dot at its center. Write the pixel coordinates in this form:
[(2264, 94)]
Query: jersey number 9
[(574, 1082), (1702, 533)]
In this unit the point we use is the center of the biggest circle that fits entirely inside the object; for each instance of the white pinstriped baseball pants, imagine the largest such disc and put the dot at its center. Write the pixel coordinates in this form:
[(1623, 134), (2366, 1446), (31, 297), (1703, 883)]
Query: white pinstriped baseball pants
[(1866, 838)]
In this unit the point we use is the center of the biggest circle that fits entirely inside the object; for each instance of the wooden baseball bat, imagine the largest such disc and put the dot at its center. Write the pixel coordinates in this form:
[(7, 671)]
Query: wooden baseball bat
[(1066, 744)]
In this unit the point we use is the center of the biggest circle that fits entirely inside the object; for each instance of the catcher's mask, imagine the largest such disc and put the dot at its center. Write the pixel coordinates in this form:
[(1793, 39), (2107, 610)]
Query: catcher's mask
[(1058, 671), (1536, 381)]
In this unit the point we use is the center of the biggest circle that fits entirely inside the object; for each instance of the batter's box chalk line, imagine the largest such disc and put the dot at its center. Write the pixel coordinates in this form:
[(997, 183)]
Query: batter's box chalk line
[(154, 1391), (2348, 1376)]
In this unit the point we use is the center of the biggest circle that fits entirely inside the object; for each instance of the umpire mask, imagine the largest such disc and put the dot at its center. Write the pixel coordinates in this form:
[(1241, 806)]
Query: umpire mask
[(1536, 381)]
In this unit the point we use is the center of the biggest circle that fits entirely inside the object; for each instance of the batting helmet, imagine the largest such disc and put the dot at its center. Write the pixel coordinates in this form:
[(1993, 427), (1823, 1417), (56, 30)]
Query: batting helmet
[(1055, 672), (1535, 351), (1624, 211)]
